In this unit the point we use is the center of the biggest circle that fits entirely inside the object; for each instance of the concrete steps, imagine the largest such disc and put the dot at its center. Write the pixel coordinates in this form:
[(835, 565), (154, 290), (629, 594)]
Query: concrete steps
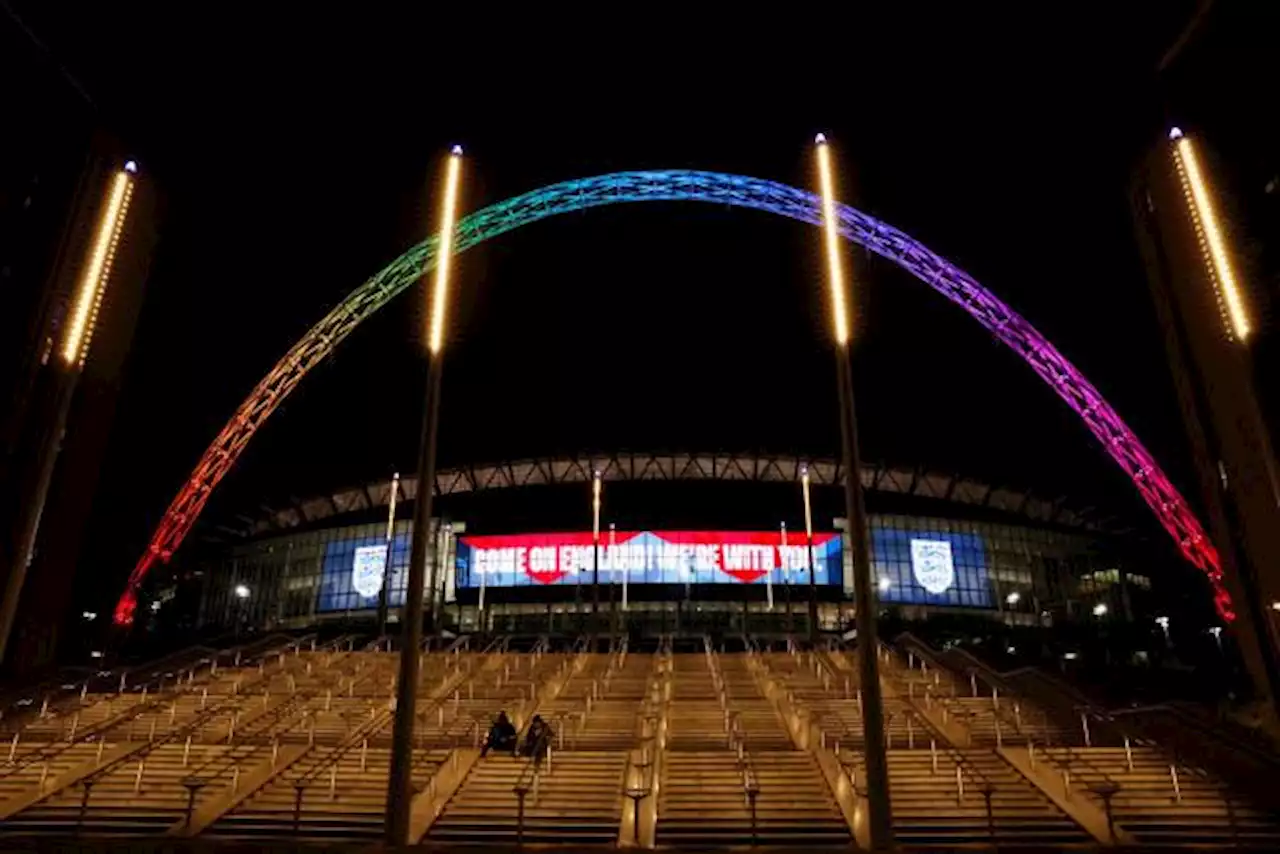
[(577, 801), (1199, 811), (702, 801), (345, 802)]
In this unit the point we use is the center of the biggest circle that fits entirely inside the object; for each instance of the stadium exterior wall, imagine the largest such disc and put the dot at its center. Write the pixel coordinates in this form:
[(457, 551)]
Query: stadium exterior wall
[(1016, 571)]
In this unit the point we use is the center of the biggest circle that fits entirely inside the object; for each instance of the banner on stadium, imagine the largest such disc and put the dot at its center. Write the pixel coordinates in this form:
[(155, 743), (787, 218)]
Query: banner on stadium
[(647, 557)]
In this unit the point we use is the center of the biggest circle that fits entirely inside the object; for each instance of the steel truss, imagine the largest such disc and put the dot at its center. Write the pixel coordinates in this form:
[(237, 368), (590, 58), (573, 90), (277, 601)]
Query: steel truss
[(681, 185), (755, 468)]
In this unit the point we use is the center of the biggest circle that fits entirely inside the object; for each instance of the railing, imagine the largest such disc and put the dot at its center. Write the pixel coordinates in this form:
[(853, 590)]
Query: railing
[(1070, 762), (51, 708), (360, 737), (47, 751), (234, 756), (529, 782)]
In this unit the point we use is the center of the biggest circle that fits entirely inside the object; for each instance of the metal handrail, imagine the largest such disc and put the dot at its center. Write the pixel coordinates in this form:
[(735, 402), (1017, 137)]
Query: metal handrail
[(1067, 766), (277, 723), (360, 736), (49, 750), (197, 722), (78, 696)]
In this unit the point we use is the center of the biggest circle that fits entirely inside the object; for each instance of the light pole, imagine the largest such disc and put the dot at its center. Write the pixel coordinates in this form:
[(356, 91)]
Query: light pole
[(808, 551), (880, 819), (595, 549), (399, 781), (66, 364), (386, 564), (242, 594), (786, 582), (1216, 631), (619, 566)]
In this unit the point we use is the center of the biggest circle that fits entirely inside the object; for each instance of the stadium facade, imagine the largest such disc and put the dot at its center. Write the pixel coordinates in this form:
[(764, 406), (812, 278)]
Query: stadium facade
[(939, 545)]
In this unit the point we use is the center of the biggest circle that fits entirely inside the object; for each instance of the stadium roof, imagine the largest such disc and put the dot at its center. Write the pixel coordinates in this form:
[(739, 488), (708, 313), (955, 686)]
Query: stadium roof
[(668, 467)]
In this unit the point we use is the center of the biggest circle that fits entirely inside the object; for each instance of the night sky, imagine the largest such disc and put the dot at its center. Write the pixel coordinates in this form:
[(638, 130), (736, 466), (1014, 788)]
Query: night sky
[(297, 155)]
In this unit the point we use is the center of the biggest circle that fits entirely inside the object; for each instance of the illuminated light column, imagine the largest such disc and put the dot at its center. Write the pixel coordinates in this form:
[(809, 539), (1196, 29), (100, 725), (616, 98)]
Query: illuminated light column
[(383, 593), (786, 579), (399, 781), (446, 573), (808, 550), (613, 540), (484, 577), (1201, 298), (880, 822), (595, 547), (1209, 233), (80, 323), (768, 578)]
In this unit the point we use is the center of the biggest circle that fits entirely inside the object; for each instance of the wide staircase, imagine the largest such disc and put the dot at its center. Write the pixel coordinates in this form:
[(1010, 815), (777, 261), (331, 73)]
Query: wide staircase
[(155, 754), (336, 790), (291, 740), (1162, 802), (730, 773), (574, 795), (942, 796), (1150, 795)]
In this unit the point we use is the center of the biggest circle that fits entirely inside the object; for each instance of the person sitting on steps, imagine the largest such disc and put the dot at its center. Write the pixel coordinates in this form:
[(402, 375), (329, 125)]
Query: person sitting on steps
[(537, 740), (501, 737)]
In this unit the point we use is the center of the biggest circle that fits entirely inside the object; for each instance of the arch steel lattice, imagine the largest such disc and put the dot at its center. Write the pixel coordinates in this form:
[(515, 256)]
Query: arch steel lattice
[(683, 185)]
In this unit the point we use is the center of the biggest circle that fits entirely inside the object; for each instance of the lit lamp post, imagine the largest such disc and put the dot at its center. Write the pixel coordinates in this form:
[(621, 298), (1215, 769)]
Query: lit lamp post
[(400, 782), (880, 821), (613, 541), (242, 593), (595, 547), (786, 579), (386, 564), (808, 551), (67, 361)]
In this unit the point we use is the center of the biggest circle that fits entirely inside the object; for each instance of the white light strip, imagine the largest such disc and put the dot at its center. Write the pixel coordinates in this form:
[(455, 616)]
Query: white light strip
[(1212, 244), (595, 506), (838, 301), (444, 253), (88, 299)]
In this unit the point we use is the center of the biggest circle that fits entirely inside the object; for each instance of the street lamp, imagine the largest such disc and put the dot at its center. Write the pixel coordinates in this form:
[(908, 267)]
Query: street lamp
[(241, 591), (786, 577), (880, 821), (65, 365), (1013, 598), (808, 553), (400, 780), (1210, 234), (613, 541), (595, 547), (383, 593), (1100, 610)]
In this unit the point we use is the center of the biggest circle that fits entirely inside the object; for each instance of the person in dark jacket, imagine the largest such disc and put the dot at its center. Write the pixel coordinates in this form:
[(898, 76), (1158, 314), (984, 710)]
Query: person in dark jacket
[(502, 736), (537, 739)]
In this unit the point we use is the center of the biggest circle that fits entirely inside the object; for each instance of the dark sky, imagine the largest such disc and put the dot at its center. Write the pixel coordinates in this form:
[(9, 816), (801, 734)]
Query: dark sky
[(299, 153)]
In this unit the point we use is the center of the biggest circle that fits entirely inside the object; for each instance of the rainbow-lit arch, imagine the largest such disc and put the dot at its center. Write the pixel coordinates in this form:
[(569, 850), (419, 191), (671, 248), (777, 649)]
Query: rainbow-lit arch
[(682, 185)]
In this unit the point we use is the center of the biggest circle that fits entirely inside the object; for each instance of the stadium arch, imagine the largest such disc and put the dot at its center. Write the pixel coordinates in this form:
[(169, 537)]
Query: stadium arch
[(1006, 325)]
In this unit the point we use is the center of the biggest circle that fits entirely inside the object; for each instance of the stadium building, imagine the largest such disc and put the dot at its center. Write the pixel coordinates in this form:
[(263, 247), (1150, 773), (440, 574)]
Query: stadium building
[(687, 544)]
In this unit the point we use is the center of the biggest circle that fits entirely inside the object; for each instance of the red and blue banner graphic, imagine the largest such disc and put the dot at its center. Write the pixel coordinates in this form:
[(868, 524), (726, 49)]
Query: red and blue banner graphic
[(647, 557)]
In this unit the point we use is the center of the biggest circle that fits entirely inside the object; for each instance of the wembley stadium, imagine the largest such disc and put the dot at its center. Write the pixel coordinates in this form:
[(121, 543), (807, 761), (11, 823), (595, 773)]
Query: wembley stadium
[(687, 543)]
